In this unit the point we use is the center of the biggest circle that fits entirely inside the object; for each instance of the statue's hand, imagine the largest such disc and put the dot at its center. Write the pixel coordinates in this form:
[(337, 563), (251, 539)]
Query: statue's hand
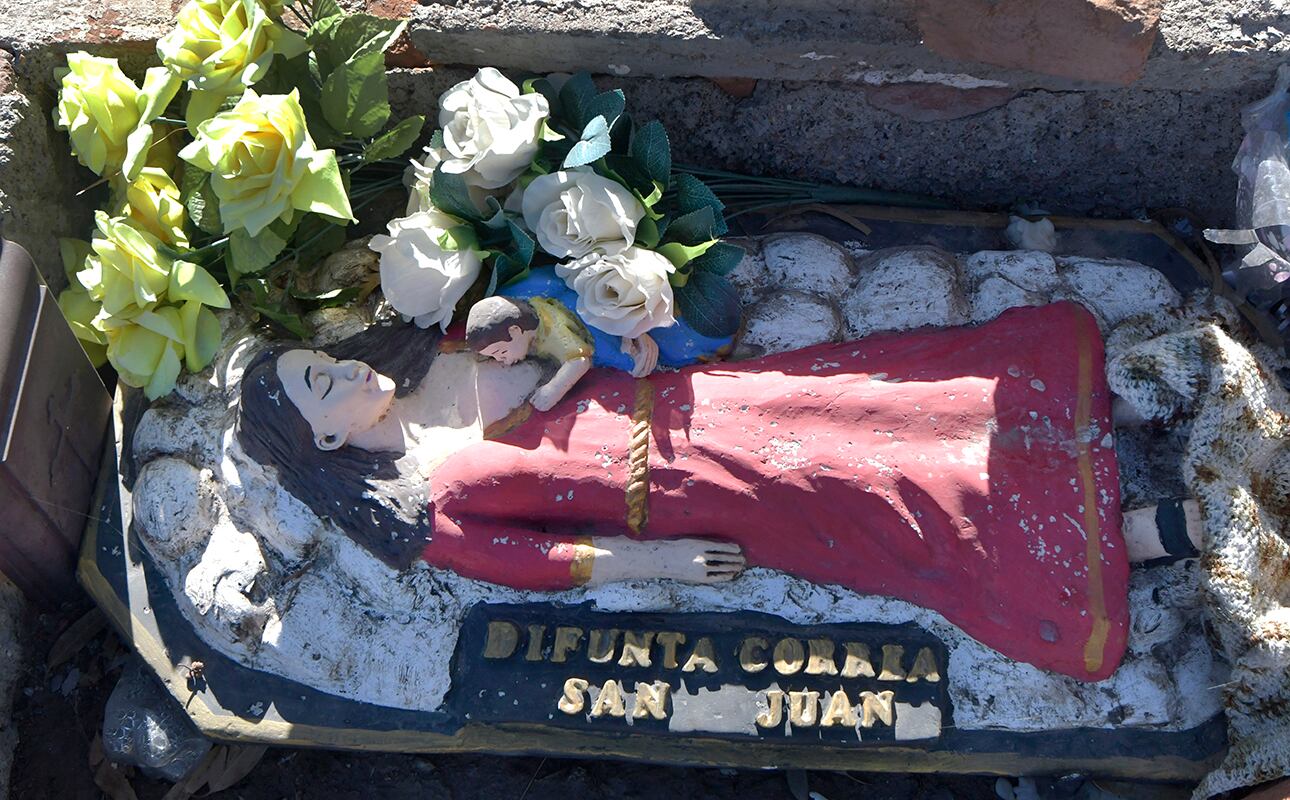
[(701, 560), (644, 352), (619, 558)]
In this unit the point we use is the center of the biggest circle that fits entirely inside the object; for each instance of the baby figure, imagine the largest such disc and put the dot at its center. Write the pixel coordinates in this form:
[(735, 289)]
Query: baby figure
[(510, 330)]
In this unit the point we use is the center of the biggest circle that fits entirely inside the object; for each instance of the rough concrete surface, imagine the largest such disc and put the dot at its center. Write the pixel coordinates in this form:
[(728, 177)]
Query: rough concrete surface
[(1201, 44), (38, 177), (12, 605), (1108, 153), (886, 114)]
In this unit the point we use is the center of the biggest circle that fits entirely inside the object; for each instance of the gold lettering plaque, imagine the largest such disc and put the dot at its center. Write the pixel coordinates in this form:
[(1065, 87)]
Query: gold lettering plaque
[(745, 675)]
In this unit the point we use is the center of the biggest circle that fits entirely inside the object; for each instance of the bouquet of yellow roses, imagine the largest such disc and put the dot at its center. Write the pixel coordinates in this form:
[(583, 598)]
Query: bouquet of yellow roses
[(235, 167)]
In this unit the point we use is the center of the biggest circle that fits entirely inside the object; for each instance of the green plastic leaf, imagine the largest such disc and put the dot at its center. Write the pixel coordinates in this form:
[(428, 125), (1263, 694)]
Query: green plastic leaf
[(593, 145), (73, 252), (692, 228), (609, 105), (709, 304), (720, 259), (652, 151), (302, 74), (576, 97), (201, 335), (628, 172), (395, 142), (249, 254), (200, 200), (647, 233), (317, 238), (365, 34), (344, 39), (356, 96), (449, 194), (329, 299), (495, 218), (292, 323), (459, 237), (693, 194), (525, 247), (322, 187), (322, 9), (680, 255), (512, 265), (543, 87)]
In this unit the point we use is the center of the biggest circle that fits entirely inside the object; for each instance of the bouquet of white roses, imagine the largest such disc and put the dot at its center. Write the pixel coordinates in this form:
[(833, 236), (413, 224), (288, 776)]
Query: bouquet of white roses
[(554, 172), (249, 181)]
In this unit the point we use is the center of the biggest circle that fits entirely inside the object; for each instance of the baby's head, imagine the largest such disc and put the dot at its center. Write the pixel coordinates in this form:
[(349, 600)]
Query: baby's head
[(501, 328)]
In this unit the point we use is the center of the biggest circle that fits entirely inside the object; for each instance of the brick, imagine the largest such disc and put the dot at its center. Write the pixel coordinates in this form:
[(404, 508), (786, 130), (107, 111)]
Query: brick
[(1095, 40)]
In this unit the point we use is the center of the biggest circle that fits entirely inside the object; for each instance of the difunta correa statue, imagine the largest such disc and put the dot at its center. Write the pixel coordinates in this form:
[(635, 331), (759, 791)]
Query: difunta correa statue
[(967, 470)]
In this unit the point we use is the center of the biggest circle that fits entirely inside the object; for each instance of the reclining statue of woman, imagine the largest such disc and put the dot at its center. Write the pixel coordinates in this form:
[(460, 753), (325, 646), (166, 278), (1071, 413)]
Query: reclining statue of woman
[(971, 471)]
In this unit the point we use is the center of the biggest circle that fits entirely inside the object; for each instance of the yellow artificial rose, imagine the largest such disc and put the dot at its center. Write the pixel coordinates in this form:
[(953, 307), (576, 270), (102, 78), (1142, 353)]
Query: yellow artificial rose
[(274, 7), (81, 310), (265, 166), (127, 272), (107, 116), (221, 47), (164, 153), (74, 252), (149, 350), (77, 306), (152, 202)]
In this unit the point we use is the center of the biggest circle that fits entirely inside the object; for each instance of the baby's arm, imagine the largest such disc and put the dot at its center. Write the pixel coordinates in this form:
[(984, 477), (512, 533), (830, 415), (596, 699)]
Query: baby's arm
[(554, 390)]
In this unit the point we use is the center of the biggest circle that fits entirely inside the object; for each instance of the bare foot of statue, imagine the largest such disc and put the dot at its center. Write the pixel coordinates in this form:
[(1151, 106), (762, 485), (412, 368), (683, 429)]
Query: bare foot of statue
[(1174, 528)]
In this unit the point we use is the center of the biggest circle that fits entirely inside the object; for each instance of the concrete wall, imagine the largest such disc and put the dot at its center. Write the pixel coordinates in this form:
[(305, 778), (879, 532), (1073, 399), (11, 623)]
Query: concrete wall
[(889, 94)]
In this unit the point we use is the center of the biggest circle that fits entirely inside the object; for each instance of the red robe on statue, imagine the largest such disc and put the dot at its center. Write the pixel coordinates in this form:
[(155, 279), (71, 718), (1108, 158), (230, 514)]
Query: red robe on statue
[(968, 470)]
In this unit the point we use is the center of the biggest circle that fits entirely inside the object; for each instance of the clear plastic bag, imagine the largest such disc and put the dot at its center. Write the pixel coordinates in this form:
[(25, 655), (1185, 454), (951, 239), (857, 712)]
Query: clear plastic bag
[(1262, 236)]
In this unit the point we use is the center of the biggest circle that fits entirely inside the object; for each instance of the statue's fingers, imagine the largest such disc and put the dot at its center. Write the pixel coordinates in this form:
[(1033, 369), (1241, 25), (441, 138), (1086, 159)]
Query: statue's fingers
[(722, 547), (719, 577), (726, 568), (725, 558)]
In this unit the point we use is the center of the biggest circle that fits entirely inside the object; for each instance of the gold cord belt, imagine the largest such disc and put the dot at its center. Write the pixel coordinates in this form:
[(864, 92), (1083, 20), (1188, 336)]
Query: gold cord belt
[(638, 458)]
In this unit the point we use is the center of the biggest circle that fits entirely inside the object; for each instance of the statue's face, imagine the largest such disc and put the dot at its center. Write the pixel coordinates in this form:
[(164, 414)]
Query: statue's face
[(337, 398), (513, 350)]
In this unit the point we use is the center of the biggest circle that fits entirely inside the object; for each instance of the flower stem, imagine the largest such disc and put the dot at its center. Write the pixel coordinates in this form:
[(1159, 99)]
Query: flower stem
[(744, 194)]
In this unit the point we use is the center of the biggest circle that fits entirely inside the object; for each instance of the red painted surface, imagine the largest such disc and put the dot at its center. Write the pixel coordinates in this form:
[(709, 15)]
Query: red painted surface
[(966, 470)]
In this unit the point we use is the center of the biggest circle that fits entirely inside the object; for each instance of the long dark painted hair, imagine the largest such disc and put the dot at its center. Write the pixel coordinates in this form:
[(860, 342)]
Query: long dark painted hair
[(363, 493)]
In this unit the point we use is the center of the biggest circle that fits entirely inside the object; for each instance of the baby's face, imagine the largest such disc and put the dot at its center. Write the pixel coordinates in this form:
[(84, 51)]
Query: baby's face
[(512, 350)]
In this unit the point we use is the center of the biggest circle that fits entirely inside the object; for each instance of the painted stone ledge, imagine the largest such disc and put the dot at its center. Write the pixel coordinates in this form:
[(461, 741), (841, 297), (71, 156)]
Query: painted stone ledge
[(1085, 43)]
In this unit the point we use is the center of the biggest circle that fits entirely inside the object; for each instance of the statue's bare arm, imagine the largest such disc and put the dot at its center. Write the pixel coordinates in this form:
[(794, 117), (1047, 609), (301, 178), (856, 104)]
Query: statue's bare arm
[(554, 390)]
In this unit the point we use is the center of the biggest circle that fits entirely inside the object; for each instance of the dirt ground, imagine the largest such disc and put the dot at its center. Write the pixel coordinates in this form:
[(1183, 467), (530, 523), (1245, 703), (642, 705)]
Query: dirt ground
[(58, 713)]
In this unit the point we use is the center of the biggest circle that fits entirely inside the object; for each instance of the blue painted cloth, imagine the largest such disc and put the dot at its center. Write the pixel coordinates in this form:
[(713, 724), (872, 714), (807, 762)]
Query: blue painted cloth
[(678, 345)]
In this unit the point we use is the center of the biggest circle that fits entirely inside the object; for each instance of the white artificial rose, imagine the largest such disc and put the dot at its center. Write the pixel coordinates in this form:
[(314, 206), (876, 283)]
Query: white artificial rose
[(578, 212), (624, 294), (419, 178), (421, 278), (491, 132)]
